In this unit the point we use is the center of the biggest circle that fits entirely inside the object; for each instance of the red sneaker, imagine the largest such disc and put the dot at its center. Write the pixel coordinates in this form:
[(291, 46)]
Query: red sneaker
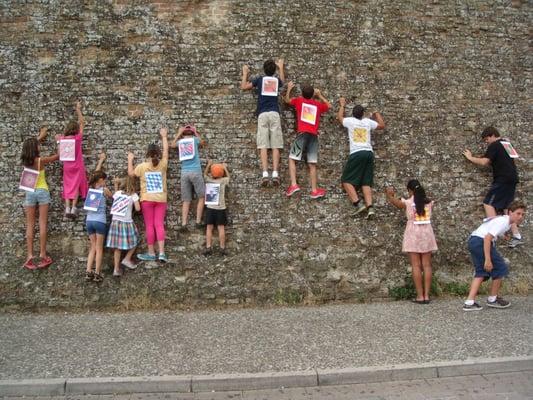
[(292, 189), (318, 193)]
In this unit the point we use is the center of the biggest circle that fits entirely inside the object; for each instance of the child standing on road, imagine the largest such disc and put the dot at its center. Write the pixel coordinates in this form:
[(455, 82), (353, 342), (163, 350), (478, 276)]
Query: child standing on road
[(488, 262), (216, 178), (418, 239), (153, 177), (188, 142), (38, 198), (96, 221), (269, 134), (308, 111), (74, 175), (123, 234), (359, 169)]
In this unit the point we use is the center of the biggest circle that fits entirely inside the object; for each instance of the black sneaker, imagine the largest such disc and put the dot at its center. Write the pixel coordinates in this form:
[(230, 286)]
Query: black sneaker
[(473, 307), (208, 251), (222, 251), (499, 303)]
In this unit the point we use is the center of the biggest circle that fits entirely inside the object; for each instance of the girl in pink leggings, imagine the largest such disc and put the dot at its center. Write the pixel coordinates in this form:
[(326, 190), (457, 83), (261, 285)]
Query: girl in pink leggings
[(153, 176)]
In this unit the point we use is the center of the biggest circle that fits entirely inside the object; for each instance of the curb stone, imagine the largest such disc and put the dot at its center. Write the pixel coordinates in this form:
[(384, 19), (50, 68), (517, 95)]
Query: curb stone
[(264, 380)]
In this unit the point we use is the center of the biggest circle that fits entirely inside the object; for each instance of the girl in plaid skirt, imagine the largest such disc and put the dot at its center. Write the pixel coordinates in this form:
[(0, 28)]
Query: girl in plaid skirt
[(123, 234)]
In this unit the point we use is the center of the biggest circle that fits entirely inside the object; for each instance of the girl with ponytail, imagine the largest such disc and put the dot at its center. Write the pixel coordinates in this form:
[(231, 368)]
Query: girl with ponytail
[(418, 239)]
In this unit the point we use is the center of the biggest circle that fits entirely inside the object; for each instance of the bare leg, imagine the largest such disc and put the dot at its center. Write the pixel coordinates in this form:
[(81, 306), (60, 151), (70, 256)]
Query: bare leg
[(30, 228), (161, 245), (129, 254), (292, 171), (367, 194), (264, 159), (43, 228), (313, 176), (495, 286), (185, 212), (416, 266), (474, 288), (151, 249), (116, 260), (92, 252), (489, 210), (208, 236), (99, 251), (351, 191), (275, 159), (426, 264), (222, 236), (199, 210)]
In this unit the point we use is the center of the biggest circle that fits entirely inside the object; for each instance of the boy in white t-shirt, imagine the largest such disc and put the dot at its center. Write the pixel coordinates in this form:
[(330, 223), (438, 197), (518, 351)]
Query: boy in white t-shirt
[(488, 263), (359, 169)]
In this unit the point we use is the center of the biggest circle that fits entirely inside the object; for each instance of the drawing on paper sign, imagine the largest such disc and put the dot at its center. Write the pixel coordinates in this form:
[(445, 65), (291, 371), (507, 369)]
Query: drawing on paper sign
[(154, 182), (186, 149), (93, 199), (309, 112), (67, 150), (509, 149), (270, 86), (212, 194), (120, 205), (28, 179), (360, 135)]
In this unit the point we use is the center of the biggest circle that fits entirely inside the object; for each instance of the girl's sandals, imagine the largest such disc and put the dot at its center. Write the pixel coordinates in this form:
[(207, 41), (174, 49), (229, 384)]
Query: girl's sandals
[(98, 278), (44, 262), (89, 276), (29, 264)]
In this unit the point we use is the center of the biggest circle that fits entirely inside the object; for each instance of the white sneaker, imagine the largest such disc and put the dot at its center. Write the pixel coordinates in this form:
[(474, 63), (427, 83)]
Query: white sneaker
[(128, 264)]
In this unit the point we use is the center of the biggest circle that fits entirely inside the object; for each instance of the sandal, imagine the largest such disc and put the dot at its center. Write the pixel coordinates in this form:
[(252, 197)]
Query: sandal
[(98, 278), (89, 276), (45, 262), (418, 301), (29, 264)]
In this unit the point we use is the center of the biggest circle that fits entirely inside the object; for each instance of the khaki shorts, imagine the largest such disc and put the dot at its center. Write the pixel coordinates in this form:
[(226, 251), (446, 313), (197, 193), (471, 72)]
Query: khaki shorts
[(269, 134)]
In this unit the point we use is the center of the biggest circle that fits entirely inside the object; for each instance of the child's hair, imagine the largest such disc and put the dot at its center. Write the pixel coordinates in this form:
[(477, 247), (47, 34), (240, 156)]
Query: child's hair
[(128, 184), (516, 205), (72, 128), (358, 111), (269, 67), (154, 152), (217, 171), (420, 196), (308, 91), (30, 151), (490, 131), (96, 176)]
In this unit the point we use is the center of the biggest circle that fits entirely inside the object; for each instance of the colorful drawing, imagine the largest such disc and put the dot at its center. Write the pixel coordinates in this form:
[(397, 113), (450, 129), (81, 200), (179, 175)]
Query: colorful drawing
[(154, 182), (186, 149), (212, 194), (28, 179), (423, 219), (360, 135), (93, 199), (120, 205), (270, 86), (309, 112), (67, 150), (509, 148)]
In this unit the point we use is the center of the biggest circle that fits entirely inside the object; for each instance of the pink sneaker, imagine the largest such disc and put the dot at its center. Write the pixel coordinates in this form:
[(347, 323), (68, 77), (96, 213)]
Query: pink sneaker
[(292, 189), (318, 193)]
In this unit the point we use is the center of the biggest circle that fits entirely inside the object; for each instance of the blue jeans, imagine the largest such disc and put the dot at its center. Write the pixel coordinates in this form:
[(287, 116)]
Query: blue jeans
[(499, 267)]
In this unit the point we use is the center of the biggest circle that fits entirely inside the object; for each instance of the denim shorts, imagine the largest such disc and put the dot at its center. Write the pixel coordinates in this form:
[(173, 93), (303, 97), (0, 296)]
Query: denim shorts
[(499, 267), (305, 143), (96, 227), (40, 196)]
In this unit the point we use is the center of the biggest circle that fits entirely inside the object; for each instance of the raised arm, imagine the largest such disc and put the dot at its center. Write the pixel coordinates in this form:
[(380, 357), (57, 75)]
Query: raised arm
[(81, 120), (43, 132), (245, 85), (131, 169), (287, 97), (164, 139), (207, 167), (482, 161), (226, 169), (101, 160), (281, 68), (322, 99), (376, 116), (391, 198), (178, 136), (340, 113)]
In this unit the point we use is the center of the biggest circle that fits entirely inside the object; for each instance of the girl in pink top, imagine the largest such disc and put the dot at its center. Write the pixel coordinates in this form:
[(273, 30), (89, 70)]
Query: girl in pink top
[(418, 240), (74, 175)]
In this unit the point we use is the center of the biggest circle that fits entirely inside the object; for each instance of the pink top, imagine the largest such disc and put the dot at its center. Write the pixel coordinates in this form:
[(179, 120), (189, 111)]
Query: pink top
[(74, 175)]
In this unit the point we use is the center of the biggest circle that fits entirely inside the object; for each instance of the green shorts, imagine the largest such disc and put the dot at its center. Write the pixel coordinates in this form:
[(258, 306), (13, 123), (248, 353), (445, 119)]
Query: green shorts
[(359, 169)]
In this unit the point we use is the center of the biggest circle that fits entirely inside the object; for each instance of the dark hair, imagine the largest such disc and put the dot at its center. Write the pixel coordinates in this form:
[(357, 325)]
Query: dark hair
[(269, 67), (516, 205), (490, 131), (72, 128), (154, 152), (308, 91), (96, 176), (420, 196), (30, 151), (358, 111)]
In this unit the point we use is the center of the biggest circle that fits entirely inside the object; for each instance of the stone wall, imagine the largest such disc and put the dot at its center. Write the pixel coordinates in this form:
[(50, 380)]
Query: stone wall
[(439, 71)]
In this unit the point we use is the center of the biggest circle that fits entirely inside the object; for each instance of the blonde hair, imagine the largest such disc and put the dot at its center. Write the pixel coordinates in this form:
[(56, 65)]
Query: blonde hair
[(128, 184)]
